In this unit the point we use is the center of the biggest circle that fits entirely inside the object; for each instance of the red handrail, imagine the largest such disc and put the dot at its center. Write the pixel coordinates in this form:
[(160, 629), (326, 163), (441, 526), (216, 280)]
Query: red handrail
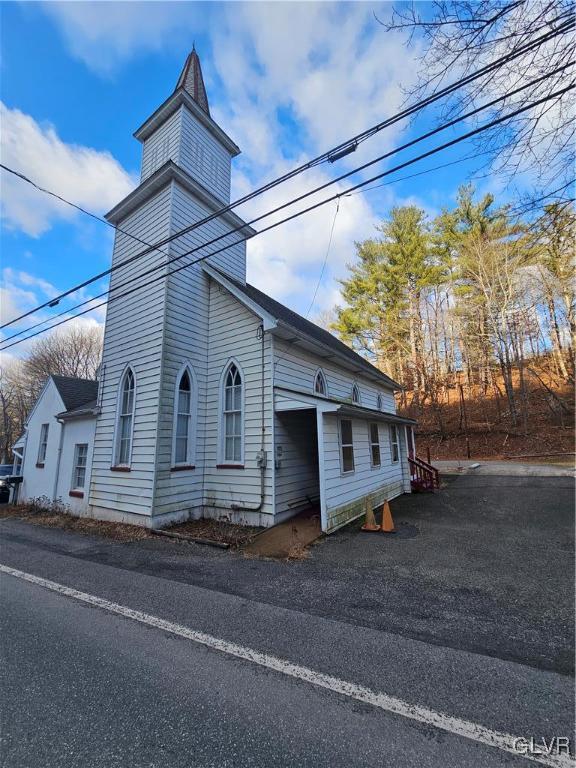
[(422, 474)]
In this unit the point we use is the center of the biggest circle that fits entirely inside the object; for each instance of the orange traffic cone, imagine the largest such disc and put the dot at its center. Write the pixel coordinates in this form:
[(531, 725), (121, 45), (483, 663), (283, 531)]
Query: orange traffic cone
[(370, 522), (387, 522)]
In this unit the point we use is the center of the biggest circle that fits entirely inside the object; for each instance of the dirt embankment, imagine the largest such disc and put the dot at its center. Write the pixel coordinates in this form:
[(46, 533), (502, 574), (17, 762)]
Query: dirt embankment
[(482, 426)]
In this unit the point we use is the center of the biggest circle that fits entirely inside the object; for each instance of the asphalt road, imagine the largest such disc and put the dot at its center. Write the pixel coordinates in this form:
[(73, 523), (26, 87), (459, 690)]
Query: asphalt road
[(85, 687)]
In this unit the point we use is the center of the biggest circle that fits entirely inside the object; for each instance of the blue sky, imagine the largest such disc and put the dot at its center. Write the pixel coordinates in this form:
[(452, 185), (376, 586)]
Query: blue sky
[(285, 80)]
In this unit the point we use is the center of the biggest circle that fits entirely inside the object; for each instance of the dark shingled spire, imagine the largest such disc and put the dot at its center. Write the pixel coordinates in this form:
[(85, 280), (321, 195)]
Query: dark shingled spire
[(192, 81)]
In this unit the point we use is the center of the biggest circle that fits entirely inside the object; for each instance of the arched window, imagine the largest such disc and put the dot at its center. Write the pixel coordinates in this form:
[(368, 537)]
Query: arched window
[(320, 384), (125, 426), (232, 430), (183, 449), (379, 401), (355, 394)]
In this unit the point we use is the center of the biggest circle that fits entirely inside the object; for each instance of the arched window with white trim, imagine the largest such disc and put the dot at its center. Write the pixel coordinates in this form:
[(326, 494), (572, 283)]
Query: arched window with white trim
[(125, 422), (183, 435), (320, 387), (355, 394), (232, 416)]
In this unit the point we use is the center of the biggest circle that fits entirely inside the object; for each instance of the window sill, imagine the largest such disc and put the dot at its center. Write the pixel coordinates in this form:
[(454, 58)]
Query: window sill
[(39, 465), (120, 469), (182, 467), (229, 466), (76, 494)]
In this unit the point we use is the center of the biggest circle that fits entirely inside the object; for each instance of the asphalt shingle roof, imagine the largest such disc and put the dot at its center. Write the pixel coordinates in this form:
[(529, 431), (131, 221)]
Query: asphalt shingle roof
[(301, 324), (76, 393)]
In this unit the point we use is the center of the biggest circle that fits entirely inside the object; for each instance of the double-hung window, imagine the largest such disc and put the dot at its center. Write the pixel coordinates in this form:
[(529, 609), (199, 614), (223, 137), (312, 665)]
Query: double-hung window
[(374, 445), (79, 468), (232, 416), (43, 443), (394, 450), (346, 446)]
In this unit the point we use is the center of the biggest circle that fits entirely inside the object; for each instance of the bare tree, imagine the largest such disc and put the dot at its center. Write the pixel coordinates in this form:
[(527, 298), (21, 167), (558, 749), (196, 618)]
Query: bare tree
[(461, 37), (76, 352), (73, 352)]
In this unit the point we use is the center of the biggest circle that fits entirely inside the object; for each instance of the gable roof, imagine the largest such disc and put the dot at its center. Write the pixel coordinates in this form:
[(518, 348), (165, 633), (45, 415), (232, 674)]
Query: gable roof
[(305, 327), (75, 393)]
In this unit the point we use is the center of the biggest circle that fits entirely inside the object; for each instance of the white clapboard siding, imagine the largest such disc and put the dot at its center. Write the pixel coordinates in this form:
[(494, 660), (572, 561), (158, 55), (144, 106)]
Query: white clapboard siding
[(296, 368), (296, 479), (162, 145), (233, 334), (186, 211), (204, 157), (186, 341), (39, 480), (133, 336), (343, 488), (76, 431)]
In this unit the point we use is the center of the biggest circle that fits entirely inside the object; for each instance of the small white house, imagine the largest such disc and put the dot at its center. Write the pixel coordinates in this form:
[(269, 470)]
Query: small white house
[(213, 399)]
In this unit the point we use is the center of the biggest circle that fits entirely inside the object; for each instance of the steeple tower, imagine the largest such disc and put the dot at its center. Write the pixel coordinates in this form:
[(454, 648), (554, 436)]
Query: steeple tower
[(192, 81)]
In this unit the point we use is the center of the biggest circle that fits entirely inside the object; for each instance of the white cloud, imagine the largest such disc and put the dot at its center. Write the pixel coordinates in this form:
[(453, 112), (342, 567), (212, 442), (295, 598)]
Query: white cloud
[(86, 177), (298, 78), (104, 35), (21, 291)]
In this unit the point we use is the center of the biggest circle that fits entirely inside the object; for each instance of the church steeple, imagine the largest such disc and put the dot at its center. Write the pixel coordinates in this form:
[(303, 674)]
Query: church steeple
[(192, 81)]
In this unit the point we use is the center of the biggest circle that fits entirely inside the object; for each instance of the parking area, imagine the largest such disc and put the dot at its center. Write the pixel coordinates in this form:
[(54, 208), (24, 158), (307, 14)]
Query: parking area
[(485, 565)]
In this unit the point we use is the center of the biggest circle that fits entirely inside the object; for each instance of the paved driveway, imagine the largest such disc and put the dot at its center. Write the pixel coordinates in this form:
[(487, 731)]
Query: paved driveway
[(467, 611)]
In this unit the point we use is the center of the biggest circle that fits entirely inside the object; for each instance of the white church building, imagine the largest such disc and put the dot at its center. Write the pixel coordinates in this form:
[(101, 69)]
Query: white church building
[(213, 399)]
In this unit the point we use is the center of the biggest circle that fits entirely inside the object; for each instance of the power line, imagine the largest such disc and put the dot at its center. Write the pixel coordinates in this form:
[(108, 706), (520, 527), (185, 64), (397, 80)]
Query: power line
[(407, 163), (302, 197), (331, 155), (92, 215)]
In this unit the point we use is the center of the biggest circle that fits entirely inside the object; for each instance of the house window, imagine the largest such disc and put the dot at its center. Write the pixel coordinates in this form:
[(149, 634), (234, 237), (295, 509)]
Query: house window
[(346, 446), (79, 469), (374, 445), (43, 443), (125, 420), (394, 442), (320, 384), (232, 413), (355, 394), (379, 401), (183, 421)]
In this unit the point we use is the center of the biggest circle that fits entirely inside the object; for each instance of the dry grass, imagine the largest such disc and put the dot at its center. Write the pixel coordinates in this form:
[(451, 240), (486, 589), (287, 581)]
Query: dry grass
[(84, 525), (221, 531)]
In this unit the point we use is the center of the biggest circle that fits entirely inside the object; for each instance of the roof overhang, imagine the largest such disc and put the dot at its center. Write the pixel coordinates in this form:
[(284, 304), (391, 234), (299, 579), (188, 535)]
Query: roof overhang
[(268, 321), (286, 399), (179, 98), (299, 338), (161, 178), (78, 413)]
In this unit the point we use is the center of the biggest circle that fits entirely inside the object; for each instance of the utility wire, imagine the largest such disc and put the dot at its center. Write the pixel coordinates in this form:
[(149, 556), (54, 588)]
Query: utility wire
[(300, 198), (457, 140), (321, 275), (331, 155)]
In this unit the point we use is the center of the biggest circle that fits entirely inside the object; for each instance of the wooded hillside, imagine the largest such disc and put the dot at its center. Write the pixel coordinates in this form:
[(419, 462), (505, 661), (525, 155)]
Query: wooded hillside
[(474, 314)]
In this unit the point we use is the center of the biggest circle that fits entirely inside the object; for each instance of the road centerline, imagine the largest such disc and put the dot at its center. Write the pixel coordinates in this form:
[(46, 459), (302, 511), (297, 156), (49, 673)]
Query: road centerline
[(459, 727)]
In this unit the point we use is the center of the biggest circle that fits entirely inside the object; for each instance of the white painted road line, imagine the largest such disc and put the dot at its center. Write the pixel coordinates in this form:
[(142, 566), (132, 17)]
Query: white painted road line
[(454, 725)]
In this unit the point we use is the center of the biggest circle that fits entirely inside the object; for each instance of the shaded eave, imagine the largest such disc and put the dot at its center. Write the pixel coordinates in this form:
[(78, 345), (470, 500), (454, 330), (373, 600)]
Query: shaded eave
[(177, 99), (86, 412), (162, 177), (289, 399)]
